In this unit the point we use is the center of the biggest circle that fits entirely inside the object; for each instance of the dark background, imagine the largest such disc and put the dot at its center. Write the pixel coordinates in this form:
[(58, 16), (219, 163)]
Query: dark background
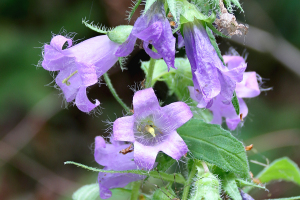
[(38, 134)]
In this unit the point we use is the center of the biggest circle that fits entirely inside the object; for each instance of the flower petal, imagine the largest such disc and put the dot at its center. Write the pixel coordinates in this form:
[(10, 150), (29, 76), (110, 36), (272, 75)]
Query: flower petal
[(249, 87), (151, 53), (58, 42), (127, 47), (227, 87), (174, 146), (145, 102), (144, 156), (82, 101), (70, 91), (87, 74), (123, 129), (179, 113)]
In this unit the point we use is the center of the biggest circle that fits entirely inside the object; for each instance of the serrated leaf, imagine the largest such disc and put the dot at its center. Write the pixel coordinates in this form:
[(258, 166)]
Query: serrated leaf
[(136, 5), (280, 169), (172, 7), (230, 186), (235, 103), (189, 13), (87, 192), (243, 183), (214, 43), (288, 198), (211, 143), (164, 162), (149, 3)]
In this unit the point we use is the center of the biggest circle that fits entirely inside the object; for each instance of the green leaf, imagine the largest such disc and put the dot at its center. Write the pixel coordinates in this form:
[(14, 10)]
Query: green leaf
[(148, 5), (99, 29), (243, 183), (164, 162), (168, 177), (288, 198), (216, 30), (87, 192), (189, 13), (211, 143), (172, 7), (214, 43), (164, 193), (136, 5), (91, 192), (230, 186), (120, 33), (235, 2), (235, 103), (280, 169)]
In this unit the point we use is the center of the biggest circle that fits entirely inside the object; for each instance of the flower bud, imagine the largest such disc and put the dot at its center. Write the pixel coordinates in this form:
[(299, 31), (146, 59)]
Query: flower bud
[(120, 33)]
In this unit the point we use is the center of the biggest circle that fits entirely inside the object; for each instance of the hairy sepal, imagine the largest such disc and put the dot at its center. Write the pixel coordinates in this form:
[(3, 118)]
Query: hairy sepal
[(120, 33)]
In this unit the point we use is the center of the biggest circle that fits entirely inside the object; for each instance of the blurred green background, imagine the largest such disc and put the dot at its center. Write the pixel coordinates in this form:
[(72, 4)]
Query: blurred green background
[(38, 134)]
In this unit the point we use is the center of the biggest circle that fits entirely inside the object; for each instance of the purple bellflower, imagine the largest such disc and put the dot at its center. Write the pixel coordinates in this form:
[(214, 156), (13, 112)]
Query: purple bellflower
[(211, 78), (79, 66), (247, 88), (153, 128), (153, 28), (108, 156)]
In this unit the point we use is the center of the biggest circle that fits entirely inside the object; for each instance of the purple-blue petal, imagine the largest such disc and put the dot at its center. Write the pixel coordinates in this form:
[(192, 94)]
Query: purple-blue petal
[(144, 156), (249, 87), (123, 129), (83, 103)]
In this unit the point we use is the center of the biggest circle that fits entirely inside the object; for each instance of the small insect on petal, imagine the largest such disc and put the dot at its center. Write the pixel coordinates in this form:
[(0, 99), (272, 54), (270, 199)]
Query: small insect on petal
[(172, 23), (127, 150), (241, 117), (248, 148)]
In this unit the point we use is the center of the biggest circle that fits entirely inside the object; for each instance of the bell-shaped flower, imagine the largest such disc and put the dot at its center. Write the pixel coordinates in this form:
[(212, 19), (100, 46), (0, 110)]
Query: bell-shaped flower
[(248, 88), (153, 128), (79, 66), (211, 78), (153, 28), (109, 156)]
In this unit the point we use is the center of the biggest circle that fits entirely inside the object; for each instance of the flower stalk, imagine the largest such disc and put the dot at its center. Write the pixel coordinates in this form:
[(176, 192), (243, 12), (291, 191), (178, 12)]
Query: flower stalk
[(114, 93), (135, 190), (188, 182)]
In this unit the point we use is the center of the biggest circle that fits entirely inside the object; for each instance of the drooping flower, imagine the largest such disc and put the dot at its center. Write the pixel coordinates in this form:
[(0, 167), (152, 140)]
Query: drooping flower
[(211, 78), (247, 88), (153, 28), (153, 128), (109, 156), (79, 66), (245, 196)]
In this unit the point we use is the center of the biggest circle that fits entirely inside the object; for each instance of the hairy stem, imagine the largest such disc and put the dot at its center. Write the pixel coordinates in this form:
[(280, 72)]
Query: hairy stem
[(135, 190), (150, 71), (114, 93), (188, 182)]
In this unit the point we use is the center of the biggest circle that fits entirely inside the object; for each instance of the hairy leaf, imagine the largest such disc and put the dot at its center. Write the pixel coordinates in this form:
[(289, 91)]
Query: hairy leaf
[(211, 143), (230, 186)]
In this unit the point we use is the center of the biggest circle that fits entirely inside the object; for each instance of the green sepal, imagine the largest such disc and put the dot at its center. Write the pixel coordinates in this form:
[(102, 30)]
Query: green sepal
[(207, 5), (216, 30), (280, 169), (214, 43), (235, 103), (235, 2), (190, 12), (99, 29), (91, 192), (149, 3), (136, 5), (206, 187), (122, 62), (120, 33), (211, 143)]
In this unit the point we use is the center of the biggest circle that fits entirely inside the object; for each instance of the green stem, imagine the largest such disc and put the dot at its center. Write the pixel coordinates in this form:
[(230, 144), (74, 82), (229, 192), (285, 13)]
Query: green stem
[(135, 190), (114, 93), (167, 177), (150, 71), (188, 182)]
